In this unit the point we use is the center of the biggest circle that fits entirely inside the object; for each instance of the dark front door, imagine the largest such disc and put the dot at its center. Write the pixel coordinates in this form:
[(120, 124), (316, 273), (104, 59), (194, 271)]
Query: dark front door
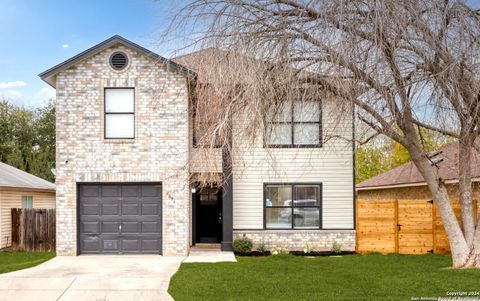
[(120, 218), (208, 215)]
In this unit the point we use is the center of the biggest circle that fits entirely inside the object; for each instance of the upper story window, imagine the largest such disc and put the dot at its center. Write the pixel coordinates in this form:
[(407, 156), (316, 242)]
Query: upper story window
[(27, 202), (119, 113), (297, 124)]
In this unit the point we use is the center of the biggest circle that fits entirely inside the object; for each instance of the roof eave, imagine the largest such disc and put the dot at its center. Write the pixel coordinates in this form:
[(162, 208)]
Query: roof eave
[(49, 75)]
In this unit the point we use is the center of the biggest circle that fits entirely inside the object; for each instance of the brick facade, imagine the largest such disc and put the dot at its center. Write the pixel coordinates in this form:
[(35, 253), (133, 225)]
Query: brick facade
[(159, 152), (296, 240)]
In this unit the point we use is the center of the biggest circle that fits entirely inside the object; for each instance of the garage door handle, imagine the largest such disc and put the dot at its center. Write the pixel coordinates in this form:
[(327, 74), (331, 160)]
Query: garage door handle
[(120, 228), (399, 227)]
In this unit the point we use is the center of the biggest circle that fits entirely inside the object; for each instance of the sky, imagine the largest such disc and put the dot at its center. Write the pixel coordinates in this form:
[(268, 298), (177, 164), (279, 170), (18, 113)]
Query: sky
[(38, 34)]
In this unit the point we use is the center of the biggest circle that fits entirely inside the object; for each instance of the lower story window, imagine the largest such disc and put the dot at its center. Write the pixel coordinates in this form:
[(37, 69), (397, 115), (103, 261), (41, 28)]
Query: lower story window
[(27, 202), (292, 206)]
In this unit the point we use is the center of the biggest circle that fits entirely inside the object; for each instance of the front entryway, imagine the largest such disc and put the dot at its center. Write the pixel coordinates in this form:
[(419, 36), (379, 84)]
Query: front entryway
[(120, 218), (207, 212)]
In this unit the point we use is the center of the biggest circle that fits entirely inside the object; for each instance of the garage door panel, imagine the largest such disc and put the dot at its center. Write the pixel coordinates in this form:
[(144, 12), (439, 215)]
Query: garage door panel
[(150, 191), (130, 209), (134, 207), (150, 245), (89, 209), (111, 209), (111, 190), (111, 245), (150, 209), (130, 227), (90, 191), (130, 245), (90, 227), (151, 227), (110, 227), (89, 245), (130, 191)]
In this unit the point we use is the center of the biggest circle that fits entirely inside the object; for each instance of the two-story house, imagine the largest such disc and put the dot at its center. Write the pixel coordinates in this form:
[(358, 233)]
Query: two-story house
[(126, 155)]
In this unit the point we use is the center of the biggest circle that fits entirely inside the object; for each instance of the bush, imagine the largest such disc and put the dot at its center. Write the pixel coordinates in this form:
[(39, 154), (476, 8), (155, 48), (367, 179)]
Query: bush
[(262, 248), (242, 245), (336, 248)]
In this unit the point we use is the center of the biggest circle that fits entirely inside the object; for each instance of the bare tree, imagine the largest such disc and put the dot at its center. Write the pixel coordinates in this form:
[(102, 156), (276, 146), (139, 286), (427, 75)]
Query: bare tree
[(405, 65)]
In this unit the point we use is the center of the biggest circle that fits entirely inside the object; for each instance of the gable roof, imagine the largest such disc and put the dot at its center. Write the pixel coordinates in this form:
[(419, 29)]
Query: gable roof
[(408, 174), (12, 177), (49, 75)]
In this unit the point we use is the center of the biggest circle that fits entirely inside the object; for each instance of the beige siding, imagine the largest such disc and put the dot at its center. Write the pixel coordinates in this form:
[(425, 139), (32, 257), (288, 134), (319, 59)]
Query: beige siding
[(10, 198), (331, 165)]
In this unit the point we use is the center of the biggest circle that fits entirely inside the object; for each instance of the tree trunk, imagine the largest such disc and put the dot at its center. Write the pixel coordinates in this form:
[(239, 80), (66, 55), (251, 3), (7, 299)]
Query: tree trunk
[(462, 255), (465, 186)]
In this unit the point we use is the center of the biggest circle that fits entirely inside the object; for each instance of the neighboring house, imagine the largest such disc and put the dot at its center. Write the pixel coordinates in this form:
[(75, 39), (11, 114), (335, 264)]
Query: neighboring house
[(125, 159), (19, 189), (395, 210)]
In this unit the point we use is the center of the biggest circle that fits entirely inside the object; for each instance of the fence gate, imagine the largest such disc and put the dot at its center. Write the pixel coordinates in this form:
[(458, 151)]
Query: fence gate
[(414, 227), (33, 229), (402, 226)]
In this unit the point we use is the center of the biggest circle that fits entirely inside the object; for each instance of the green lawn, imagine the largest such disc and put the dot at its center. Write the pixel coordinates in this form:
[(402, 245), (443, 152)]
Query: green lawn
[(12, 261), (351, 277)]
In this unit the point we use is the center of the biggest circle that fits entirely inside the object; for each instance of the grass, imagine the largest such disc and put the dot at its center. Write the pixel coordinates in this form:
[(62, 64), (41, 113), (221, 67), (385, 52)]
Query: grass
[(351, 277), (12, 261)]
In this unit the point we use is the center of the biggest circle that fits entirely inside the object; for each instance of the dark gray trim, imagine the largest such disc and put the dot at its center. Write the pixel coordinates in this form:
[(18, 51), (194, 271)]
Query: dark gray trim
[(227, 199), (120, 113), (116, 39), (293, 184)]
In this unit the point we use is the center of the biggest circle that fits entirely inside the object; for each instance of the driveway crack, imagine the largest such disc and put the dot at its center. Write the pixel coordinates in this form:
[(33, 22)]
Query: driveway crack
[(66, 289)]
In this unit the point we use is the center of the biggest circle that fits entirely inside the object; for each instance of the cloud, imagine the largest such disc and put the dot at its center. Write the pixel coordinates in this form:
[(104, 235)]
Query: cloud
[(14, 93), (18, 83), (65, 46), (47, 93)]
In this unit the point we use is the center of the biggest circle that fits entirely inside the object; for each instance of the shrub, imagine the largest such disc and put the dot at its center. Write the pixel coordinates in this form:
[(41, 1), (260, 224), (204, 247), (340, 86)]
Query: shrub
[(262, 248), (336, 247), (242, 245), (308, 248)]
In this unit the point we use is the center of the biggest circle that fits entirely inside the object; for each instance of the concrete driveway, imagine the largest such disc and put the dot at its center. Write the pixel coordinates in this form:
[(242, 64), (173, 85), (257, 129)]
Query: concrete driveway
[(93, 277)]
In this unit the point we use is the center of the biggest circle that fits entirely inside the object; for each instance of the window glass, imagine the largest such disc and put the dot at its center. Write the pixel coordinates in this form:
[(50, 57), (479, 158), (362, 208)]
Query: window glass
[(306, 195), (283, 113), (306, 133), (301, 213), (280, 134), (278, 195), (119, 126), (27, 202), (305, 218), (278, 218), (306, 111), (119, 100)]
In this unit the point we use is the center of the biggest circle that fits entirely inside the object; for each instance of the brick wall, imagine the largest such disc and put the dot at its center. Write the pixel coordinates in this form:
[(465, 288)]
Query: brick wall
[(296, 240), (159, 152)]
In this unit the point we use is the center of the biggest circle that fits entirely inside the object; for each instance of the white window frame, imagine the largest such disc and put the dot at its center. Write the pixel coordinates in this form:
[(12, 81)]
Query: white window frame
[(117, 113)]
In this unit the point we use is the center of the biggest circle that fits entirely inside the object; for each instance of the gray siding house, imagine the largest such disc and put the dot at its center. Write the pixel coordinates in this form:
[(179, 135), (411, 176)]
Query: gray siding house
[(125, 159)]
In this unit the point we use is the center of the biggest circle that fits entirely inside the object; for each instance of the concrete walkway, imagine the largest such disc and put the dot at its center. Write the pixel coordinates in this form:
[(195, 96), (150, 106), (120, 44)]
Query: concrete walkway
[(205, 255), (92, 277)]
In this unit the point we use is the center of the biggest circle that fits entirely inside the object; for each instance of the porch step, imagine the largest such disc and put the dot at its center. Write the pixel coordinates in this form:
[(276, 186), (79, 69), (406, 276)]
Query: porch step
[(205, 246)]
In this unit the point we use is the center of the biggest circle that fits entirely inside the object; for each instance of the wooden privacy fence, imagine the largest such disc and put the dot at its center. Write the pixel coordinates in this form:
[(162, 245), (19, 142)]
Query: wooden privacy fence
[(33, 229), (401, 226)]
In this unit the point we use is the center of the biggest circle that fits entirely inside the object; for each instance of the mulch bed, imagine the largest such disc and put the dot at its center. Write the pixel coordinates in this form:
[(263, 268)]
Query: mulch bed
[(254, 253), (323, 253)]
